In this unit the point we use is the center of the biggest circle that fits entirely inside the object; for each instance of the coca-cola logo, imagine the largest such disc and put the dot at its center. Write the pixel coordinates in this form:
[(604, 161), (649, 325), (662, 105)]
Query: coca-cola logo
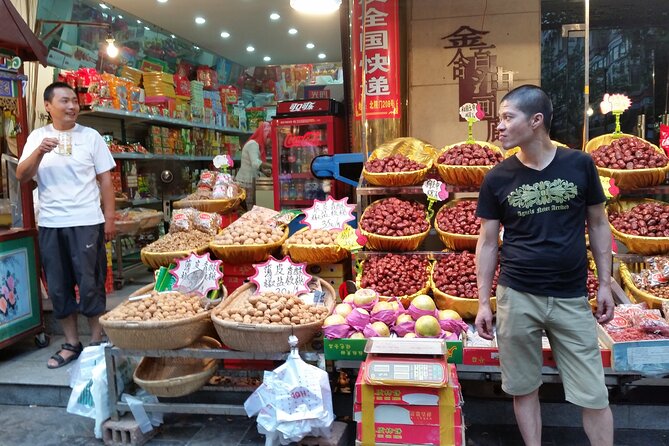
[(302, 106), (311, 138)]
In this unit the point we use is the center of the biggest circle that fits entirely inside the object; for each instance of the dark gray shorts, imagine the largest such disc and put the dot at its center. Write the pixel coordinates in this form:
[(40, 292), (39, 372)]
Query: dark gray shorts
[(75, 256)]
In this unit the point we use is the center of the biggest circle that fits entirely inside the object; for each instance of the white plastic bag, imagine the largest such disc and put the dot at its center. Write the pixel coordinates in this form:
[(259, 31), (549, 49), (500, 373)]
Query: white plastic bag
[(90, 395), (293, 401)]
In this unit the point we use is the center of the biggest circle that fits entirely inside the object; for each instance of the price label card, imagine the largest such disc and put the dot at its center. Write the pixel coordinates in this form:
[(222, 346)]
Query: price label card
[(197, 274), (471, 112), (616, 103), (284, 277), (349, 239), (435, 190), (329, 214)]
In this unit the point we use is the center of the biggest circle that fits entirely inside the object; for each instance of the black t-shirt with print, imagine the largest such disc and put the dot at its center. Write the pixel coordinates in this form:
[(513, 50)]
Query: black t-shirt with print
[(543, 214)]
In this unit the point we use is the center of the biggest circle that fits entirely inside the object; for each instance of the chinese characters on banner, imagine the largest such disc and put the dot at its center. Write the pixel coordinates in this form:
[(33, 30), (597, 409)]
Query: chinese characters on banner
[(480, 78), (282, 277), (379, 35)]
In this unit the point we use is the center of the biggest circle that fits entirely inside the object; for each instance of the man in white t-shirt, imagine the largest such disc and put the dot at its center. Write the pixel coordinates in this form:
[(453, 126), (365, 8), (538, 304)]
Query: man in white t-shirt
[(71, 180)]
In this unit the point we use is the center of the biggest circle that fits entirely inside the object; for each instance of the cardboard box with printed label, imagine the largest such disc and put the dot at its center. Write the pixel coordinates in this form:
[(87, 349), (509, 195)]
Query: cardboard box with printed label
[(646, 357)]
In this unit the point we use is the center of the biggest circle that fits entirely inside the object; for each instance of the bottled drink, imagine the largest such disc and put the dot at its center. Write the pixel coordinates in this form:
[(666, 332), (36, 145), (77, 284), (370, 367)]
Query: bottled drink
[(298, 160), (307, 156), (300, 189), (292, 195), (285, 189)]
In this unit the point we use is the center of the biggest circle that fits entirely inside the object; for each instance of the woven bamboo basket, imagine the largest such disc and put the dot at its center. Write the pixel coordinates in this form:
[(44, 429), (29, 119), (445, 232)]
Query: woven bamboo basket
[(635, 293), (628, 179), (453, 241), (412, 148), (265, 338), (466, 308), (405, 299), (150, 220), (636, 243), (127, 227), (377, 242), (464, 175), (253, 253), (220, 206), (157, 259), (152, 335), (309, 254), (178, 376)]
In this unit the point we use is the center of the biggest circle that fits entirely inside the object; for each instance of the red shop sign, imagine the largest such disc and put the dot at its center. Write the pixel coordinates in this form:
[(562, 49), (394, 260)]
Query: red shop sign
[(379, 35)]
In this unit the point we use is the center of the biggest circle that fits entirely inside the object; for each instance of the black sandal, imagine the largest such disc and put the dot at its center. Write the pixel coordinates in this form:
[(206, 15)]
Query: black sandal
[(76, 349)]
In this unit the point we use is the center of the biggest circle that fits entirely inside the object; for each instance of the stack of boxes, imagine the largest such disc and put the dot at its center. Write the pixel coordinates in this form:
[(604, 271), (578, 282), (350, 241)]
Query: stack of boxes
[(212, 101), (236, 275), (159, 90), (408, 399), (197, 100), (332, 273)]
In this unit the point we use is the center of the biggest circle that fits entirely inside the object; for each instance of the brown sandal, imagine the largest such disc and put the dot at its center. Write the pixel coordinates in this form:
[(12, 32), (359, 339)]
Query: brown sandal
[(60, 360)]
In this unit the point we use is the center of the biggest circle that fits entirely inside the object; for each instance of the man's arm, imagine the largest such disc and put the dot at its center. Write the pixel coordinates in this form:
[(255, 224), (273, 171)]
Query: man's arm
[(27, 168), (108, 204), (599, 234), (486, 263)]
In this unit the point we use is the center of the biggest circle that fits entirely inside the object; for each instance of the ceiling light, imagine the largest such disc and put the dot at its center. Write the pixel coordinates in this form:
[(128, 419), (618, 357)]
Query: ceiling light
[(103, 6), (196, 47), (162, 1), (112, 50), (225, 34), (250, 49), (173, 36), (310, 45), (322, 56), (139, 21), (315, 6), (200, 20), (147, 28), (274, 16), (266, 58), (292, 31), (120, 16)]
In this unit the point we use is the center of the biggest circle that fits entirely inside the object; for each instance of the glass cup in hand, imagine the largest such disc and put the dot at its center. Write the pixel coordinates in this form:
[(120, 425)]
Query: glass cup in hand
[(64, 146)]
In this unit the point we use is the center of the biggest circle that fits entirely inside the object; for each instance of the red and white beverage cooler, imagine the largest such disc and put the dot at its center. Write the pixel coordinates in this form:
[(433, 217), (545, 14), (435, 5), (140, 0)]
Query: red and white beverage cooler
[(301, 131)]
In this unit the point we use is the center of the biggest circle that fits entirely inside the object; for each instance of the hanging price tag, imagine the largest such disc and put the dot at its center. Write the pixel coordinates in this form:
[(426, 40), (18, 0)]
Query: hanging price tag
[(329, 214), (435, 191), (609, 186), (348, 239), (284, 277), (616, 103), (197, 274)]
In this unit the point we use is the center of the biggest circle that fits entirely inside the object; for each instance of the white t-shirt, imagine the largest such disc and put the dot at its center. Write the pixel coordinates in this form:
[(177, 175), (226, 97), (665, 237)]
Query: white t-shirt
[(69, 194), (250, 162)]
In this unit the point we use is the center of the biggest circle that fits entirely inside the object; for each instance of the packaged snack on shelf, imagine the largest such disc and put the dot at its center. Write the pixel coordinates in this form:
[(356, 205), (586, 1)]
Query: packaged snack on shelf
[(182, 220), (208, 222), (225, 187), (207, 180)]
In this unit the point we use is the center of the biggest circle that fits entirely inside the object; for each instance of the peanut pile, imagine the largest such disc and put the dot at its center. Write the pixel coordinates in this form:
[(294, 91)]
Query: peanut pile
[(274, 309), (180, 241), (314, 237), (250, 233), (158, 307)]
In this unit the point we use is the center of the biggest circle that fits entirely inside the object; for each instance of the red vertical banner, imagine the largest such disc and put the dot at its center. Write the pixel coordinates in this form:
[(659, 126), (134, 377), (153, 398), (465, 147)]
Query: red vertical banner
[(380, 64)]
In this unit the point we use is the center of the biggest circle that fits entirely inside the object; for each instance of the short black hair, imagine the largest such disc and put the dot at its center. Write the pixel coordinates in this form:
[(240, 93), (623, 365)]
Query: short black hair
[(531, 99), (48, 91)]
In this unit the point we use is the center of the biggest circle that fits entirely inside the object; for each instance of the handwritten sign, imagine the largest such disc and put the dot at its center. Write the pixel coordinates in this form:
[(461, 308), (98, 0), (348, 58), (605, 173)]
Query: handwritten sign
[(471, 111), (616, 103), (283, 277), (435, 190), (348, 239), (197, 274), (329, 214)]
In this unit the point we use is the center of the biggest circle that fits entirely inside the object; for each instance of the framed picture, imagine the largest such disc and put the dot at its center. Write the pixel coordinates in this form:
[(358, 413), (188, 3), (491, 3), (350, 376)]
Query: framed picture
[(20, 305)]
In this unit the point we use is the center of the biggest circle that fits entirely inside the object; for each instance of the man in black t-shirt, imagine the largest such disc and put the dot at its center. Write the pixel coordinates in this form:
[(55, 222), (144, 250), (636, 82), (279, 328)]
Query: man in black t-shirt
[(543, 196)]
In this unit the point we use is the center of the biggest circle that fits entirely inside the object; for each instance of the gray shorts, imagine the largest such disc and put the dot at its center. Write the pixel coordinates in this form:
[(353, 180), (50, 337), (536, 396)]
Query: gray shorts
[(572, 333), (75, 256)]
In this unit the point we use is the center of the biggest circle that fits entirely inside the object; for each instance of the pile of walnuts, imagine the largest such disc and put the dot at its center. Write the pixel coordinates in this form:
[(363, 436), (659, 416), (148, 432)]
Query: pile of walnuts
[(158, 307), (274, 309)]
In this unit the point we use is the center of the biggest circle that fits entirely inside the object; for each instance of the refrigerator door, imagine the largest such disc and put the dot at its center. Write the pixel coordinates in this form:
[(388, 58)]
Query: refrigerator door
[(296, 142)]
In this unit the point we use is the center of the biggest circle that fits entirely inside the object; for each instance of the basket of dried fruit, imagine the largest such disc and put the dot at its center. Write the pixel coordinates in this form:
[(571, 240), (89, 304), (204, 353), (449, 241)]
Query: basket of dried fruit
[(400, 162), (253, 322), (172, 246), (465, 164), (457, 225), (314, 246), (248, 243), (177, 376), (202, 201), (642, 225), (401, 276), (641, 281), (151, 320), (393, 224), (631, 161), (453, 283)]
